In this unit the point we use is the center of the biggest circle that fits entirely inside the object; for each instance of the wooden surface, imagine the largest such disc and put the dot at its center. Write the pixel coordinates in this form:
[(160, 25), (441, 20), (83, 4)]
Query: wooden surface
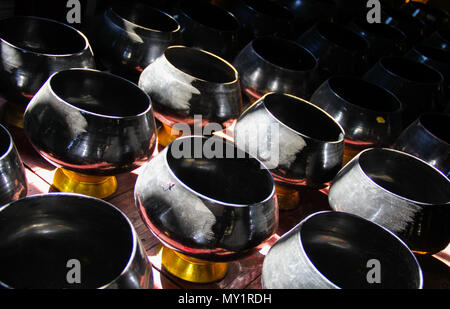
[(242, 274)]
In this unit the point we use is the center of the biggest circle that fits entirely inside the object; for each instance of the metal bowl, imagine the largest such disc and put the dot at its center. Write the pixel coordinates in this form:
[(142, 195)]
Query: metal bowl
[(430, 15), (300, 143), (93, 125), (384, 40), (13, 181), (438, 59), (398, 191), (439, 39), (428, 139), (419, 87), (370, 115), (70, 241), (309, 12), (130, 37), (413, 27), (33, 49), (338, 49), (209, 27), (263, 18), (185, 83), (189, 198), (271, 64), (337, 250)]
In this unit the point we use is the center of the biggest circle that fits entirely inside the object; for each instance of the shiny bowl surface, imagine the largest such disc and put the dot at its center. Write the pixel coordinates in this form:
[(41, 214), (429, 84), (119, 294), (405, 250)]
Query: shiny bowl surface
[(91, 122), (398, 191), (300, 143), (428, 138), (337, 250), (186, 81), (190, 200), (60, 234), (13, 181), (34, 48)]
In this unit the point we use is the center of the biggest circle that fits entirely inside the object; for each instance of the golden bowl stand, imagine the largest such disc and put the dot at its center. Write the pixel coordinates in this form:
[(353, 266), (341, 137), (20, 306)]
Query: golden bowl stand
[(14, 114), (191, 269), (96, 186), (165, 136), (288, 197)]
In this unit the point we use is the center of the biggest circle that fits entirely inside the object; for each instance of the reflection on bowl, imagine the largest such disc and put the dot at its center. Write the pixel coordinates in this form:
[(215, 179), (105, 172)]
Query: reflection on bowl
[(67, 240), (130, 37), (370, 115), (300, 143), (398, 191), (185, 83), (92, 125), (32, 49), (13, 181), (189, 198), (337, 250)]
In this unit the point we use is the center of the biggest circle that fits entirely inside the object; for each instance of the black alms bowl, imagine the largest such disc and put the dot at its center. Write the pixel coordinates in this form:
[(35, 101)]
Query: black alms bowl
[(70, 241), (91, 122), (34, 48), (13, 181), (205, 206)]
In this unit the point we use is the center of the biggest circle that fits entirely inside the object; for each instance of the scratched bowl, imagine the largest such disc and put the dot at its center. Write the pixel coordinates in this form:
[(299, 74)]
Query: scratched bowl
[(70, 241), (190, 199), (13, 181), (398, 191), (34, 48), (185, 83), (299, 142), (337, 250)]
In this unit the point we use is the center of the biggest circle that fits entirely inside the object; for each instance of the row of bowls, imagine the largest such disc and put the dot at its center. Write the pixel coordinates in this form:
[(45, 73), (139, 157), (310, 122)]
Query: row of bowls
[(205, 218), (77, 121)]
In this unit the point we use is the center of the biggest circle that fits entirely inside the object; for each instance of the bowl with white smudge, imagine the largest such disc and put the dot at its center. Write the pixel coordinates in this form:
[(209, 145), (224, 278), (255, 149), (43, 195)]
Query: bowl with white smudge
[(399, 192), (300, 143), (185, 82)]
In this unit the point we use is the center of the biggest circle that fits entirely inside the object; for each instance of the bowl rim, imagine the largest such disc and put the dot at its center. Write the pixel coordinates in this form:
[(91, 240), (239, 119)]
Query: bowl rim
[(291, 42), (410, 81), (345, 28), (299, 227), (360, 79), (402, 153), (218, 58), (420, 122), (95, 71), (11, 143), (134, 237), (261, 101), (86, 47), (113, 10), (215, 201), (290, 17), (236, 29)]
